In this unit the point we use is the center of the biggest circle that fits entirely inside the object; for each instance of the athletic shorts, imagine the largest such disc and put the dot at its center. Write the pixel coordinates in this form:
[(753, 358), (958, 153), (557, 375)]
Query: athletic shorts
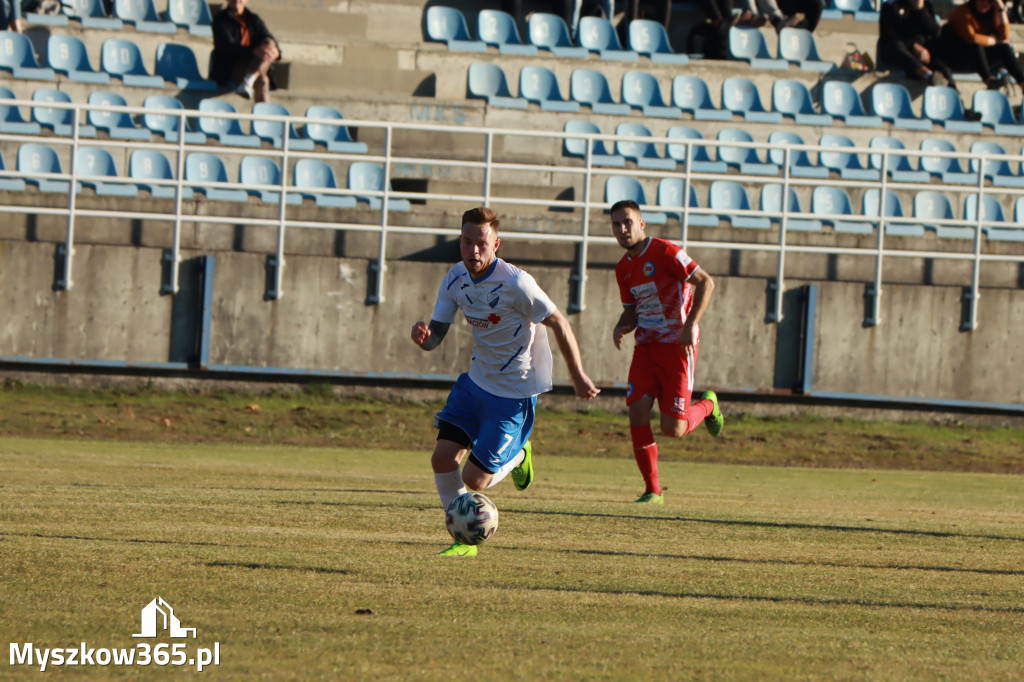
[(662, 370), (496, 427)]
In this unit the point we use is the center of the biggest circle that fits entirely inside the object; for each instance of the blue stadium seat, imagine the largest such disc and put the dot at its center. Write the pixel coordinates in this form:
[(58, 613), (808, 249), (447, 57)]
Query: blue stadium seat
[(577, 147), (992, 212), (447, 25), (40, 158), (98, 162), (800, 164), (771, 202), (9, 184), (829, 202), (792, 98), (261, 170), (847, 164), (498, 28), (644, 154), (487, 81), (650, 38), (936, 210), (227, 131), (727, 197), (862, 10), (740, 96), (18, 56), (142, 15), (670, 197), (898, 166), (747, 44), (538, 84), (597, 34), (313, 176), (60, 18), (201, 169), (11, 120), (841, 100), (945, 167), (893, 209), (177, 64), (996, 112), (548, 31), (191, 14), (168, 124), (66, 54), (1011, 234), (92, 14), (691, 94), (797, 46), (996, 169), (148, 165), (364, 176), (891, 101), (117, 124), (701, 161), (590, 87), (621, 187), (123, 59), (335, 137), (942, 105), (641, 91), (273, 131), (746, 159), (60, 121)]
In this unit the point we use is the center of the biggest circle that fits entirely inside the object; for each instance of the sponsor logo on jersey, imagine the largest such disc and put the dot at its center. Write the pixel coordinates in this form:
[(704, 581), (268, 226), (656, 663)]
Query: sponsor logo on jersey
[(494, 318), (649, 268), (478, 322)]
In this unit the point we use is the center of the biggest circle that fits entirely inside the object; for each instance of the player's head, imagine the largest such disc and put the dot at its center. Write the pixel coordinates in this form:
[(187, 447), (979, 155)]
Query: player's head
[(479, 241), (627, 223)]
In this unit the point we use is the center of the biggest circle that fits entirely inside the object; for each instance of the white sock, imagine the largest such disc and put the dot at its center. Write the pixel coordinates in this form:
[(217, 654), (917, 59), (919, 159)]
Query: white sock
[(250, 80), (501, 473), (449, 486)]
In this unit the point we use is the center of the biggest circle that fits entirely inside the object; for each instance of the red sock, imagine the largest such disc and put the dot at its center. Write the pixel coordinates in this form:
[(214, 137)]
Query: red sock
[(645, 450), (696, 413)]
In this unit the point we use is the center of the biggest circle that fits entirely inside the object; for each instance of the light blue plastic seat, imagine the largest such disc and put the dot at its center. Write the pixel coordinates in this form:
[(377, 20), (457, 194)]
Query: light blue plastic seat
[(66, 54), (841, 100), (1007, 233), (641, 90), (577, 147), (9, 184), (643, 154), (650, 39), (597, 34), (447, 25), (273, 131), (847, 164), (123, 59), (58, 19), (202, 169), (177, 64), (58, 120), (996, 169), (40, 158), (98, 162), (227, 131), (142, 15), (746, 159), (11, 120), (622, 187), (148, 165), (860, 10), (936, 210), (829, 202), (895, 223), (771, 202), (797, 46), (727, 197), (792, 98), (670, 197), (497, 28), (538, 84), (701, 161), (898, 166), (891, 101), (800, 164), (549, 32), (364, 176), (18, 56), (948, 168), (92, 14), (997, 112), (117, 124), (691, 94), (168, 124), (740, 96), (590, 87), (191, 14), (335, 137), (261, 170), (746, 43), (942, 105), (312, 176), (487, 81)]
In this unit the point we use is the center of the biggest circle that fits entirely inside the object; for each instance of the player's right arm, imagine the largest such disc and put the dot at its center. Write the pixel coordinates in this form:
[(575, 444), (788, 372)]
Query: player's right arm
[(429, 337), (625, 325)]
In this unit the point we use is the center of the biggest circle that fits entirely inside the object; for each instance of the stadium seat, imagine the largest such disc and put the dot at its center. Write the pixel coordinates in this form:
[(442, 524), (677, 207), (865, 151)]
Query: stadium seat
[(898, 166), (792, 98), (621, 187), (201, 169), (861, 10), (538, 84), (92, 14), (312, 176), (168, 124), (747, 44), (11, 120), (996, 112), (273, 131), (829, 202), (191, 14), (641, 91), (497, 28), (936, 210), (98, 162), (577, 147), (945, 167), (364, 176), (643, 154), (840, 100), (727, 197), (847, 164), (771, 202), (891, 102), (261, 170), (60, 18), (548, 31), (650, 39), (998, 170), (487, 81), (893, 209), (691, 94), (117, 124), (590, 87), (227, 131), (701, 161), (142, 15), (447, 25), (740, 96), (670, 197), (1012, 234), (800, 164), (746, 159), (942, 105), (797, 46), (66, 54), (9, 184), (123, 59), (38, 159), (335, 137), (597, 34), (147, 165), (993, 218), (18, 56), (177, 64), (60, 121)]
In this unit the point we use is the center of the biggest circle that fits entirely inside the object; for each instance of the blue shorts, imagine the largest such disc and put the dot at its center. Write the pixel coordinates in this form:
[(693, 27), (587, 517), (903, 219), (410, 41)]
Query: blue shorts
[(498, 427)]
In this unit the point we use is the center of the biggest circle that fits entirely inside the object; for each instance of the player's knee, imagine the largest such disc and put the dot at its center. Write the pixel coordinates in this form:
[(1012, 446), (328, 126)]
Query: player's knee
[(442, 461), (475, 480), (675, 428)]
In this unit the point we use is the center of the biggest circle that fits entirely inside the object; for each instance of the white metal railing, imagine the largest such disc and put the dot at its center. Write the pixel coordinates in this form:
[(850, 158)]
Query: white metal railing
[(478, 156)]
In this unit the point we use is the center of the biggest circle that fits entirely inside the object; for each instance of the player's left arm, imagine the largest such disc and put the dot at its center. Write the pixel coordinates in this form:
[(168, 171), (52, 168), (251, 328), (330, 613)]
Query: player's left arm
[(703, 285), (560, 327)]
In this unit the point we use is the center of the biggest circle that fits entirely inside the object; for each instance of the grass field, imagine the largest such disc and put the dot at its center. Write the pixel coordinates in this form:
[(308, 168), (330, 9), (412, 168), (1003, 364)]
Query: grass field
[(318, 563)]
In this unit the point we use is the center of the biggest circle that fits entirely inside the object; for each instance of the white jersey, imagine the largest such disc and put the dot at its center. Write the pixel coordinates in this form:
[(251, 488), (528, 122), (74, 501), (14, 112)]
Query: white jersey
[(511, 357)]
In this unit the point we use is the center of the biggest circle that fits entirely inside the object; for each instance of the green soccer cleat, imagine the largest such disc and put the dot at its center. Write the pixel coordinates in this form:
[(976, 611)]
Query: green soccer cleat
[(714, 421), (459, 549), (650, 498), (522, 475)]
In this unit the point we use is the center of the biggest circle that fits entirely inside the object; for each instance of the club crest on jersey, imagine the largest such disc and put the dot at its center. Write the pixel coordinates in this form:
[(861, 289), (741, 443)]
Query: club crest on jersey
[(492, 299), (648, 268), (629, 389)]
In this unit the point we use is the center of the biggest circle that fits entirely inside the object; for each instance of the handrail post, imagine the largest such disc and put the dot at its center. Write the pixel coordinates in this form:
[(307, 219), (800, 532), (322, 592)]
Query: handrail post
[(684, 216), (277, 262), (577, 293), (380, 267), (65, 281), (971, 318), (779, 285), (875, 293), (174, 257), (488, 160)]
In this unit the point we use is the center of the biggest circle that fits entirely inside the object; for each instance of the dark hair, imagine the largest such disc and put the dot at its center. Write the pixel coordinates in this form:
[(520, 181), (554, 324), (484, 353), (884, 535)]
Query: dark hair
[(481, 215), (625, 203)]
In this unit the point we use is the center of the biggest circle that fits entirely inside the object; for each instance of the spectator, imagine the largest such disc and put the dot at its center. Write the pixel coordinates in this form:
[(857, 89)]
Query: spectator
[(569, 10), (710, 38), (10, 15), (976, 39), (243, 52), (810, 9), (907, 33)]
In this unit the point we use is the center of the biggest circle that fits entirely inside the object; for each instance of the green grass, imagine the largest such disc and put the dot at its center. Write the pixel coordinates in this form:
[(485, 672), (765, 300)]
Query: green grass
[(746, 573)]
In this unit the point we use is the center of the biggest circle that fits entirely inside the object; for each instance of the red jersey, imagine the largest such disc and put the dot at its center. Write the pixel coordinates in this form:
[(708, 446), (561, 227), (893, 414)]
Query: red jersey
[(655, 282)]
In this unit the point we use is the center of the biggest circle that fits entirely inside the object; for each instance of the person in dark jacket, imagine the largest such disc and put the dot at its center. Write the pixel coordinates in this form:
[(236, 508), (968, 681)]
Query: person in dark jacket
[(907, 35), (976, 38), (244, 51)]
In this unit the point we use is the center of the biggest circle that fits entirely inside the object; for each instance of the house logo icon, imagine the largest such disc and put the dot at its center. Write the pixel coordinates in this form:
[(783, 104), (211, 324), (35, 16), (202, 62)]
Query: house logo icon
[(151, 621)]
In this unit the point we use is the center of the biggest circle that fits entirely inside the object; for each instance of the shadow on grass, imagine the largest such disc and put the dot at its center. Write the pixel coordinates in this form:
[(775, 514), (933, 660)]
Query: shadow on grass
[(278, 567)]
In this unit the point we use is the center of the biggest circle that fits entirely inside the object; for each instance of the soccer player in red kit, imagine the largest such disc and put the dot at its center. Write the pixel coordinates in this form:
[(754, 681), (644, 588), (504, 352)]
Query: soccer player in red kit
[(664, 294)]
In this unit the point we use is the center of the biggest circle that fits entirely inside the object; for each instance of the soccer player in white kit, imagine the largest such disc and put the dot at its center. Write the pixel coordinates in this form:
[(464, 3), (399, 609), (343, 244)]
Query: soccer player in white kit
[(489, 412)]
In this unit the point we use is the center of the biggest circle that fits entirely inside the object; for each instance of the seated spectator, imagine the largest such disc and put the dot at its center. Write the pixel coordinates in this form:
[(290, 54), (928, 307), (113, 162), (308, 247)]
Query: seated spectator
[(10, 15), (243, 52), (781, 13), (907, 32), (710, 38), (569, 10), (976, 39)]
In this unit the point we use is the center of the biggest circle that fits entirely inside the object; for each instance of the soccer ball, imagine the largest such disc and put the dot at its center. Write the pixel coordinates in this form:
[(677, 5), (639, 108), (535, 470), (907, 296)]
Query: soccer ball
[(471, 518)]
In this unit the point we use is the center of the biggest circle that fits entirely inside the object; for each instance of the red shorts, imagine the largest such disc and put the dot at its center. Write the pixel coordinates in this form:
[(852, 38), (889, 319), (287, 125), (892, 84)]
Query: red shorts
[(662, 370)]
